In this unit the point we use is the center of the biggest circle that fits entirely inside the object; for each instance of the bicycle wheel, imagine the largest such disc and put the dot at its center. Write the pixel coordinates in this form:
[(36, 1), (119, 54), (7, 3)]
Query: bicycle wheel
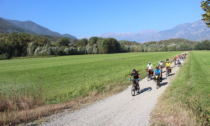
[(138, 89), (167, 73), (157, 86), (158, 83), (133, 91), (148, 77)]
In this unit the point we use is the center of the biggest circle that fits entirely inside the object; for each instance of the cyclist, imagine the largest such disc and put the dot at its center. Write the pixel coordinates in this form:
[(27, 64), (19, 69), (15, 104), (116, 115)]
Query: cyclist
[(158, 72), (161, 64), (178, 61), (149, 68), (136, 76), (168, 66)]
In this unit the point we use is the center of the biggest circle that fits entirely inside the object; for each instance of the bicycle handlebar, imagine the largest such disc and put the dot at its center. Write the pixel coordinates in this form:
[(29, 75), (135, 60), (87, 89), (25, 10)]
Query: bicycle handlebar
[(133, 79)]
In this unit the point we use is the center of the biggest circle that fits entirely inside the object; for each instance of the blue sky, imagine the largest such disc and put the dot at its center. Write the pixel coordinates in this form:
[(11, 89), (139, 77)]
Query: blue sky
[(86, 18)]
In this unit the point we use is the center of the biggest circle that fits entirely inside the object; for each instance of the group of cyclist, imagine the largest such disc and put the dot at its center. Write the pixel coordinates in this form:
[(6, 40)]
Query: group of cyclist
[(178, 58), (156, 72), (158, 69)]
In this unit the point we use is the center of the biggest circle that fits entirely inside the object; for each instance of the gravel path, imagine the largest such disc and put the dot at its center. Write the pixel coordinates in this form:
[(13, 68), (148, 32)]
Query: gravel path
[(118, 110)]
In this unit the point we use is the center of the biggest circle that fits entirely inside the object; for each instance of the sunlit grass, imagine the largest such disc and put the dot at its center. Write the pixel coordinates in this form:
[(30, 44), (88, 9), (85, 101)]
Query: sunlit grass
[(191, 89), (59, 79)]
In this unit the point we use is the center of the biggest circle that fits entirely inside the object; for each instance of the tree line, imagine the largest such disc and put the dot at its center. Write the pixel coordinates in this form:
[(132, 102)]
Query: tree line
[(24, 44)]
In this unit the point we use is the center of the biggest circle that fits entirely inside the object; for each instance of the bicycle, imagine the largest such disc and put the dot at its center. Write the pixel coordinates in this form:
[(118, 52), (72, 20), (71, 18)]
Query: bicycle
[(150, 74), (135, 86), (168, 71), (157, 79)]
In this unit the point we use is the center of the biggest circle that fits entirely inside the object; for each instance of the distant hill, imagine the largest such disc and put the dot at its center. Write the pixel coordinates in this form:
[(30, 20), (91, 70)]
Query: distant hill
[(8, 26), (196, 31)]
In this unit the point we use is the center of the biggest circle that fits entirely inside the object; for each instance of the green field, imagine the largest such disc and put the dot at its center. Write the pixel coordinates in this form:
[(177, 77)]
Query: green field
[(200, 77), (194, 84), (58, 79), (197, 85), (190, 90)]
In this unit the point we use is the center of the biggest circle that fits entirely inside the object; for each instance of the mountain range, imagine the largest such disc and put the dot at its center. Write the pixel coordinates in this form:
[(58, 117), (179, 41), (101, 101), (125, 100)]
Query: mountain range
[(196, 31), (8, 26)]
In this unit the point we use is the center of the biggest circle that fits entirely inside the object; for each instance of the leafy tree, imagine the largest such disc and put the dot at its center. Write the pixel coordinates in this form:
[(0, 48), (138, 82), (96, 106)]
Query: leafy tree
[(31, 48), (82, 43), (89, 49), (103, 46), (108, 45), (205, 5), (95, 49), (63, 41), (93, 40), (40, 40), (204, 45), (113, 45)]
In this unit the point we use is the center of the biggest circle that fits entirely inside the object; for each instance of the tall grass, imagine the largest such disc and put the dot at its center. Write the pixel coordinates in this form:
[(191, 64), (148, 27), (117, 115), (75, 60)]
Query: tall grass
[(26, 84), (197, 93), (191, 88), (59, 79)]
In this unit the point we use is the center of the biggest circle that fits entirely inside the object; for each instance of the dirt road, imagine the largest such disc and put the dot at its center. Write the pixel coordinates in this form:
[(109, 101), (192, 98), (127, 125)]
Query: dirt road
[(118, 110)]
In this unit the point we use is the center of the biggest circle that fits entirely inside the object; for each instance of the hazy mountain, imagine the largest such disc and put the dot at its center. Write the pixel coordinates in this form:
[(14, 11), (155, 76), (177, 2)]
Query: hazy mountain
[(196, 31), (142, 36), (29, 27), (7, 27)]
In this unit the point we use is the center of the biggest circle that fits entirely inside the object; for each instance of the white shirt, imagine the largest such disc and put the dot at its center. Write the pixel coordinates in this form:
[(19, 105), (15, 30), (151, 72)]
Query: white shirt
[(149, 66), (161, 63)]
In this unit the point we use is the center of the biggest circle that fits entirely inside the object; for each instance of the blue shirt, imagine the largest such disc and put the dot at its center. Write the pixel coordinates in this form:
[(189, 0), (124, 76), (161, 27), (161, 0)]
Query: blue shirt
[(157, 72)]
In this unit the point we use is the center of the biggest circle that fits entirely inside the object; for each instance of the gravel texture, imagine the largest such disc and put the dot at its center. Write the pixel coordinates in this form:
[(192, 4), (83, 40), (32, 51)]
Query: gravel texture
[(121, 109)]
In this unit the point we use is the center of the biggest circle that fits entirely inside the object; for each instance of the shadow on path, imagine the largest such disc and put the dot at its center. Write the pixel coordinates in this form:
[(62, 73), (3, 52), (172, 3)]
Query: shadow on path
[(163, 84), (144, 90), (171, 74)]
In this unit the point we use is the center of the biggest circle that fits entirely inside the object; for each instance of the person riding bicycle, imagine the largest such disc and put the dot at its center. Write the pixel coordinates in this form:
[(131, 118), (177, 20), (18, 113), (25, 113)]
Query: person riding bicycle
[(158, 72), (149, 68), (168, 66), (161, 64), (178, 61), (136, 76)]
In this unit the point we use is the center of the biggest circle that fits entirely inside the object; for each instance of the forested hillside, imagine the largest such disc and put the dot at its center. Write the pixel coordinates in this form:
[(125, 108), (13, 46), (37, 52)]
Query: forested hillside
[(9, 26)]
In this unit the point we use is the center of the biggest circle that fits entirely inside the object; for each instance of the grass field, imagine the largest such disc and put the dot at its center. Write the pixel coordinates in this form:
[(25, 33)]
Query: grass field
[(190, 93), (31, 87), (59, 79)]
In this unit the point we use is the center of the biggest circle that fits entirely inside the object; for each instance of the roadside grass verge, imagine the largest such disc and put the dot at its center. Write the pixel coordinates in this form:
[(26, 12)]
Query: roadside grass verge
[(187, 100), (27, 84), (36, 114)]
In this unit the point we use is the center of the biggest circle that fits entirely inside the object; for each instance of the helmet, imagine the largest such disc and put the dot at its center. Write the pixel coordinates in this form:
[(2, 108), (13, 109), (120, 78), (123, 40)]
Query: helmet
[(134, 70), (149, 62)]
